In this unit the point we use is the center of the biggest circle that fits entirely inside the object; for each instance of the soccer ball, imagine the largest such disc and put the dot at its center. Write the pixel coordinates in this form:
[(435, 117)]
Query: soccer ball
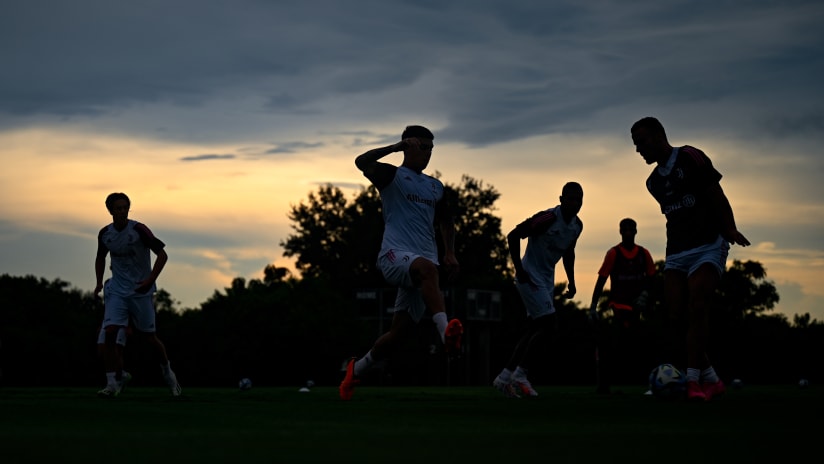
[(666, 381), (244, 384)]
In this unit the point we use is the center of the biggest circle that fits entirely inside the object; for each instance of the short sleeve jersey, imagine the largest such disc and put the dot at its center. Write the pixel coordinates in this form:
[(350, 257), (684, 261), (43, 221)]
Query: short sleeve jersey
[(549, 237), (409, 203), (680, 188), (130, 255)]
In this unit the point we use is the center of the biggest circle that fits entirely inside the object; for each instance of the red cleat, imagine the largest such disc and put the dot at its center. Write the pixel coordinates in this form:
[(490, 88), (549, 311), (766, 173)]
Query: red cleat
[(695, 392), (452, 336), (713, 389), (347, 386)]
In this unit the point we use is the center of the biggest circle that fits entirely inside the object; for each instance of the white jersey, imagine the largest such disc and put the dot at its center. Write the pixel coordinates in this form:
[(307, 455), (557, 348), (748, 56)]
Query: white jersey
[(409, 213), (549, 239), (131, 258)]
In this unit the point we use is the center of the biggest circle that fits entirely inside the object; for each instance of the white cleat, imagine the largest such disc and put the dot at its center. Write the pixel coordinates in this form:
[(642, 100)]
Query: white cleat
[(505, 387), (171, 381)]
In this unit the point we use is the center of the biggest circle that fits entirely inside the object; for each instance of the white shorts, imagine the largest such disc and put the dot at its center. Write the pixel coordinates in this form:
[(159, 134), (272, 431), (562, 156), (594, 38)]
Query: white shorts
[(394, 265), (119, 310), (538, 299), (689, 261)]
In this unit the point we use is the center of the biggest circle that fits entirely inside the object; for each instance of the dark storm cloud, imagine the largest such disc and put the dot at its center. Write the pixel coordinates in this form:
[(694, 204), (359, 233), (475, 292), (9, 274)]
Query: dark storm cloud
[(292, 147), (207, 157), (505, 70)]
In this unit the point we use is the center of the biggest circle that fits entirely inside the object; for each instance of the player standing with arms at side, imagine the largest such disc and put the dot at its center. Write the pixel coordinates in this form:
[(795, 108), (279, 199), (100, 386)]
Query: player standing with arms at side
[(551, 236), (412, 203), (700, 229), (128, 294), (629, 267)]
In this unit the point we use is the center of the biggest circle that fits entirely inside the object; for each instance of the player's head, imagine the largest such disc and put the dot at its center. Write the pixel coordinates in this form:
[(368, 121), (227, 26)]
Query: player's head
[(627, 228), (572, 198), (628, 224), (113, 198), (650, 139), (419, 132), (418, 150)]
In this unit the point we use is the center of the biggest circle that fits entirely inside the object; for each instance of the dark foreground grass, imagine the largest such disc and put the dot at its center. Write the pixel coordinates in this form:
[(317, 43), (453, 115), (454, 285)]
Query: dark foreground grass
[(405, 424)]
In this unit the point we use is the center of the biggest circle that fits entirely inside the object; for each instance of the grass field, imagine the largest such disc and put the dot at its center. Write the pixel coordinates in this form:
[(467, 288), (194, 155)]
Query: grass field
[(406, 424)]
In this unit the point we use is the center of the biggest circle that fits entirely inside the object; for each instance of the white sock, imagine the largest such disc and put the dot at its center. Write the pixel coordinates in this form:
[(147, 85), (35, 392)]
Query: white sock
[(505, 375), (363, 364), (166, 368), (709, 375), (440, 324), (693, 374), (520, 372), (111, 379)]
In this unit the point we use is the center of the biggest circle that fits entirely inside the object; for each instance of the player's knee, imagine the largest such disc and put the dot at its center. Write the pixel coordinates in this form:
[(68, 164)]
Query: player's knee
[(423, 270), (112, 335)]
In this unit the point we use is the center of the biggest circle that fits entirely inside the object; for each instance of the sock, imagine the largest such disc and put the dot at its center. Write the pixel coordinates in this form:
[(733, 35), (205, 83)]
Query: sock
[(166, 368), (363, 364), (520, 372), (440, 324), (709, 375), (693, 374), (111, 379), (505, 375)]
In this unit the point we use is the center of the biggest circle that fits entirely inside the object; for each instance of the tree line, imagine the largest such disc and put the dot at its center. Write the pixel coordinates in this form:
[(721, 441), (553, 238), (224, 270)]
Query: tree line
[(284, 329)]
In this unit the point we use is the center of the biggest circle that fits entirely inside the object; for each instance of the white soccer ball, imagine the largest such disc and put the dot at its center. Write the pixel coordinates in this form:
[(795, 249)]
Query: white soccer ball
[(803, 383), (244, 384), (666, 381)]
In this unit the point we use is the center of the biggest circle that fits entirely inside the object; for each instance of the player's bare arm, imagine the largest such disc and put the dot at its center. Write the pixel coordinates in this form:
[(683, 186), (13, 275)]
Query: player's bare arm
[(367, 161), (446, 224), (160, 262), (725, 215), (569, 268), (513, 240), (99, 267)]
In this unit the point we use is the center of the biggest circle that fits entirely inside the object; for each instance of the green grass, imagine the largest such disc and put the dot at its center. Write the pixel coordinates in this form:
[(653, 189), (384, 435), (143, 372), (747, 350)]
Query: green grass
[(404, 424)]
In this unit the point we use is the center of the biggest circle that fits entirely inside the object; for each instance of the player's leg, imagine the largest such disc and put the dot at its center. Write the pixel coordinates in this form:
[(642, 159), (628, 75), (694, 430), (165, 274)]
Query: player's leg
[(144, 318), (702, 285), (677, 297), (381, 349), (426, 277), (111, 340)]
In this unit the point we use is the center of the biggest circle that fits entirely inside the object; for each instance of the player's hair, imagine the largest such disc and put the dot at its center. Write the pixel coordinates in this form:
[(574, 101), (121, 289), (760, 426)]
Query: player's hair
[(571, 187), (418, 132), (651, 124), (627, 222), (113, 197)]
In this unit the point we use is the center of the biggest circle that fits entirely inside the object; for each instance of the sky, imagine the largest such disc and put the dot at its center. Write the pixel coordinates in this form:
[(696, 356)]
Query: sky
[(217, 117)]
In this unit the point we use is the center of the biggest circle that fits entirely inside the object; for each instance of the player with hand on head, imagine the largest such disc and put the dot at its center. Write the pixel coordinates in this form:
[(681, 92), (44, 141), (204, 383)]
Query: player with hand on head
[(413, 203), (629, 268), (129, 292), (551, 236), (700, 229)]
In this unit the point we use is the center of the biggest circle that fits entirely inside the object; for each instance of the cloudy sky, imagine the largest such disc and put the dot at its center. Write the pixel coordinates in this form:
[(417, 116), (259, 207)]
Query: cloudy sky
[(216, 116)]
